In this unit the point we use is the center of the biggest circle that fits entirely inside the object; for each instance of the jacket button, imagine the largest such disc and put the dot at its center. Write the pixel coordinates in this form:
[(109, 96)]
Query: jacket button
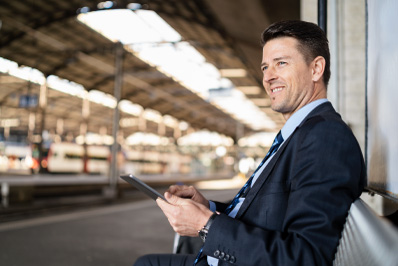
[(222, 255), (227, 257), (232, 259), (216, 253)]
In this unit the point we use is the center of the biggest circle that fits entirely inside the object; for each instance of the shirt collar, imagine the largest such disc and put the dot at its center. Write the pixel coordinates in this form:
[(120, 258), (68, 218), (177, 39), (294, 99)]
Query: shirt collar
[(296, 119)]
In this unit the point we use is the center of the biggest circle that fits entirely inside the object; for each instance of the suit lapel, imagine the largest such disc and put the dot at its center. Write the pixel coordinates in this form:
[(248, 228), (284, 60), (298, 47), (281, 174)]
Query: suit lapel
[(261, 179), (326, 107)]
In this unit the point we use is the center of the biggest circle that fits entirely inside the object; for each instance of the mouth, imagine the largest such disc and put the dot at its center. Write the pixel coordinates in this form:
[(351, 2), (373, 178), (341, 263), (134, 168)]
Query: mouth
[(276, 89)]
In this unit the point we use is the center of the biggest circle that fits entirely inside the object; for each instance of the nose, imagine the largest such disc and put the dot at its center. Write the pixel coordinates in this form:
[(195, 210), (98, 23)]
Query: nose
[(269, 75)]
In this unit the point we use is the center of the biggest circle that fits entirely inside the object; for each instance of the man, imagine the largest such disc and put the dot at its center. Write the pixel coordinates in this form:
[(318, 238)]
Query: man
[(294, 207)]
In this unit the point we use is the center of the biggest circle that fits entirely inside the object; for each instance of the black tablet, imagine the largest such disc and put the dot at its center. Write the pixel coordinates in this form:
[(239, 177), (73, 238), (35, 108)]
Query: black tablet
[(143, 187)]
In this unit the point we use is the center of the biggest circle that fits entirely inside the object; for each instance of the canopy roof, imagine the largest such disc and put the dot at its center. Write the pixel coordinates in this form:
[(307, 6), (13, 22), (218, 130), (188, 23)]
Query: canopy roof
[(46, 35)]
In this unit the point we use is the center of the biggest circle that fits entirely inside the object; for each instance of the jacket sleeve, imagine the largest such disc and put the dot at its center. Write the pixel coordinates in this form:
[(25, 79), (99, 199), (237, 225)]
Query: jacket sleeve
[(220, 206), (326, 174)]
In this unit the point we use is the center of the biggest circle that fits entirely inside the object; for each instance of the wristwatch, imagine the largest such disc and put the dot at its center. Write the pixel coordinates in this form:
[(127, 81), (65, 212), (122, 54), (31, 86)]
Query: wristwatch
[(203, 232)]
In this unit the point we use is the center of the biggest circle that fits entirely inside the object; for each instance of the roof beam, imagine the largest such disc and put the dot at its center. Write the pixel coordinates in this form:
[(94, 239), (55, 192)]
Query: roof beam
[(109, 69)]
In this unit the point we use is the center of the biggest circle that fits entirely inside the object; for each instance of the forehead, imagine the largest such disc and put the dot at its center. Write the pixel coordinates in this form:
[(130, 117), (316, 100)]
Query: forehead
[(280, 47)]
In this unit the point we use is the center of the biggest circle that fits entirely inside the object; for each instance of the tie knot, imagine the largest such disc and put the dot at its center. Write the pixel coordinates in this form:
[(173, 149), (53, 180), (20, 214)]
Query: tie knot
[(278, 139)]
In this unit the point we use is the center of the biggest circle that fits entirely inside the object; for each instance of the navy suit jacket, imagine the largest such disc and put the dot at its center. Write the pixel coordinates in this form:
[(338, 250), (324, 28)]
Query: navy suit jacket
[(296, 210)]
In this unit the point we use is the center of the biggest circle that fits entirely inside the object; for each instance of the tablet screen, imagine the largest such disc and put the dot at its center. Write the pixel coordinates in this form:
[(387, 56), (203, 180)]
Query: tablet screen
[(142, 186)]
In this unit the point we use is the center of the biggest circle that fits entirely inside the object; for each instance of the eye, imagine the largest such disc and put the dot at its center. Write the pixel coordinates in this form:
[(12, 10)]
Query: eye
[(264, 68), (281, 63)]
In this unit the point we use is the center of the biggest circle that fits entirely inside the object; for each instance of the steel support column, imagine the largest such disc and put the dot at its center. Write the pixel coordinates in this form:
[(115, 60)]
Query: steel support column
[(113, 172), (322, 14), (42, 110)]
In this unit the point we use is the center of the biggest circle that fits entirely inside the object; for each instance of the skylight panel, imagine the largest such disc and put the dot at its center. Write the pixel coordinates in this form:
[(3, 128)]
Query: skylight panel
[(157, 43), (130, 27)]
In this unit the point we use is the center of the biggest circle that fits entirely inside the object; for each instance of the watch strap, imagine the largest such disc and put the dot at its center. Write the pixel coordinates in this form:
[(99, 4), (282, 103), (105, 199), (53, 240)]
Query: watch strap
[(210, 221), (203, 232)]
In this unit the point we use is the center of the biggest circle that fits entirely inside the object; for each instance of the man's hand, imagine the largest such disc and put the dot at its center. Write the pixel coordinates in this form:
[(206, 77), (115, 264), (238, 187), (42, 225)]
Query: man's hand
[(188, 192), (185, 216)]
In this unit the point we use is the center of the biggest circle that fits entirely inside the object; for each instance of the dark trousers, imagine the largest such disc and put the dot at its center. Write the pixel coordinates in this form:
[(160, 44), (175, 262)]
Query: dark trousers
[(169, 260)]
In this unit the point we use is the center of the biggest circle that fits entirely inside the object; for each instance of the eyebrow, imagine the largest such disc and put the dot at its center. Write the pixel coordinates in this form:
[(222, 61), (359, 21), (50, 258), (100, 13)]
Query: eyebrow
[(276, 59)]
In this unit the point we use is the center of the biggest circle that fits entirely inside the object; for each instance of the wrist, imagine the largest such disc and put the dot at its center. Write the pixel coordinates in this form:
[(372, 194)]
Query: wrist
[(205, 230)]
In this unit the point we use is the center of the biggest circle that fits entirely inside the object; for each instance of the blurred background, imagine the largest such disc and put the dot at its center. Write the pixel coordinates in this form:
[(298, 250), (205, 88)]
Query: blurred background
[(170, 91)]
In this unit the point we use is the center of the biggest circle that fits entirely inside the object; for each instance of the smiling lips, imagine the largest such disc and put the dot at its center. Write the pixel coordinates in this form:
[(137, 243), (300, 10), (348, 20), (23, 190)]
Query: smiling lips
[(276, 89)]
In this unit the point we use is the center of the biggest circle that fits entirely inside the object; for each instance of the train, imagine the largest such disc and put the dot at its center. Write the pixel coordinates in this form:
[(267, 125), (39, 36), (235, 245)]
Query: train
[(17, 158), (73, 158)]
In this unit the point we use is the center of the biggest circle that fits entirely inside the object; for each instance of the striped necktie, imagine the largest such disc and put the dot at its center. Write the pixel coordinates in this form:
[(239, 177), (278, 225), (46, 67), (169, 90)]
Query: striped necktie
[(245, 189)]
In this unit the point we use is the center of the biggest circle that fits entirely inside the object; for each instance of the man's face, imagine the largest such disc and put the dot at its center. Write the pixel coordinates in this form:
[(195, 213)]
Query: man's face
[(287, 78)]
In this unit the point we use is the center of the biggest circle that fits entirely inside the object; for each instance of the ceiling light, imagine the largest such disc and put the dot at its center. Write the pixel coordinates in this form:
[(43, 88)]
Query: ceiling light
[(9, 122), (105, 5), (152, 115), (130, 108), (128, 122), (183, 125), (134, 6)]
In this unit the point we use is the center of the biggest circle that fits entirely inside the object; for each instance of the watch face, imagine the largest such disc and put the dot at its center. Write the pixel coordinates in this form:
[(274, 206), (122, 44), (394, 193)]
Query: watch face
[(202, 234)]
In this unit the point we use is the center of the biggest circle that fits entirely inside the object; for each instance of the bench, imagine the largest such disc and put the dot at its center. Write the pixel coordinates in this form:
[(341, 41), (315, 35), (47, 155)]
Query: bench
[(367, 239)]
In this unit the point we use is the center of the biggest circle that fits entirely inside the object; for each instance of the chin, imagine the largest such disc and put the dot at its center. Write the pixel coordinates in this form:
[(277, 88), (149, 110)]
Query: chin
[(276, 108), (279, 109)]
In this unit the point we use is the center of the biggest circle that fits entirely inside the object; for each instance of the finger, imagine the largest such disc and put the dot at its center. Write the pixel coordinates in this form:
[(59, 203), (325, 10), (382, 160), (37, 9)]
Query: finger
[(172, 189), (175, 188), (170, 211), (183, 191), (173, 199), (165, 206), (187, 193)]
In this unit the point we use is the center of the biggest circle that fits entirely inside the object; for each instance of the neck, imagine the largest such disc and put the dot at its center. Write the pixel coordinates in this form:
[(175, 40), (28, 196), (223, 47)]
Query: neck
[(319, 93)]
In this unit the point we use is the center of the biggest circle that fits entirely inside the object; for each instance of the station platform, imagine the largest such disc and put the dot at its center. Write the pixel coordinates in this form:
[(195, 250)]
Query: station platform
[(110, 235), (87, 179)]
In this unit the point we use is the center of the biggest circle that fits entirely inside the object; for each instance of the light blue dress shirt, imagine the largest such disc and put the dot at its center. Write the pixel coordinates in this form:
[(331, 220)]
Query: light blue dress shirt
[(291, 124)]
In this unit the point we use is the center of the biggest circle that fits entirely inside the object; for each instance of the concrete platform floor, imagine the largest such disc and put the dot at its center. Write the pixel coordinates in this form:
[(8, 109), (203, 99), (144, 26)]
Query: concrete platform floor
[(112, 235)]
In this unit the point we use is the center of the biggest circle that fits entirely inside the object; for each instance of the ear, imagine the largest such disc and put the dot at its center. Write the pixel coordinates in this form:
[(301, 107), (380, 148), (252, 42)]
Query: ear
[(318, 67)]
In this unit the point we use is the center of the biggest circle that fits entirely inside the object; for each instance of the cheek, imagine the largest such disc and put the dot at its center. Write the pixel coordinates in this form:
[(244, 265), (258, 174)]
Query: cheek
[(305, 77), (300, 82), (266, 87)]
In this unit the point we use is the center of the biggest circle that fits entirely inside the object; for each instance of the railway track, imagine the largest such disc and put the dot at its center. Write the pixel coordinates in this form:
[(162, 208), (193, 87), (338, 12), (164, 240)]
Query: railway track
[(51, 205)]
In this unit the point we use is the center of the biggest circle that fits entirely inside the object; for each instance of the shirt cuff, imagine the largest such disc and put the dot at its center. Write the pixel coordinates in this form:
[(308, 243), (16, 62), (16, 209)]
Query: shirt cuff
[(213, 206)]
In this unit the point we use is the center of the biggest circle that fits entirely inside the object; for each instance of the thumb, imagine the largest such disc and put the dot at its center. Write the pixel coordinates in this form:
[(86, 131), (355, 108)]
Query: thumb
[(172, 199)]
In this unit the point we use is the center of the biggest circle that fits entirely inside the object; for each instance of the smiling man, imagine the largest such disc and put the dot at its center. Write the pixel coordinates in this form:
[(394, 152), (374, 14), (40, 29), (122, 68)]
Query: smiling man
[(288, 79), (292, 209)]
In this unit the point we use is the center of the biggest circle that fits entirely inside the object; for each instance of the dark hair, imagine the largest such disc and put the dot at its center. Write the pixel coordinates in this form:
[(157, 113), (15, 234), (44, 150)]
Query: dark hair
[(312, 40)]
